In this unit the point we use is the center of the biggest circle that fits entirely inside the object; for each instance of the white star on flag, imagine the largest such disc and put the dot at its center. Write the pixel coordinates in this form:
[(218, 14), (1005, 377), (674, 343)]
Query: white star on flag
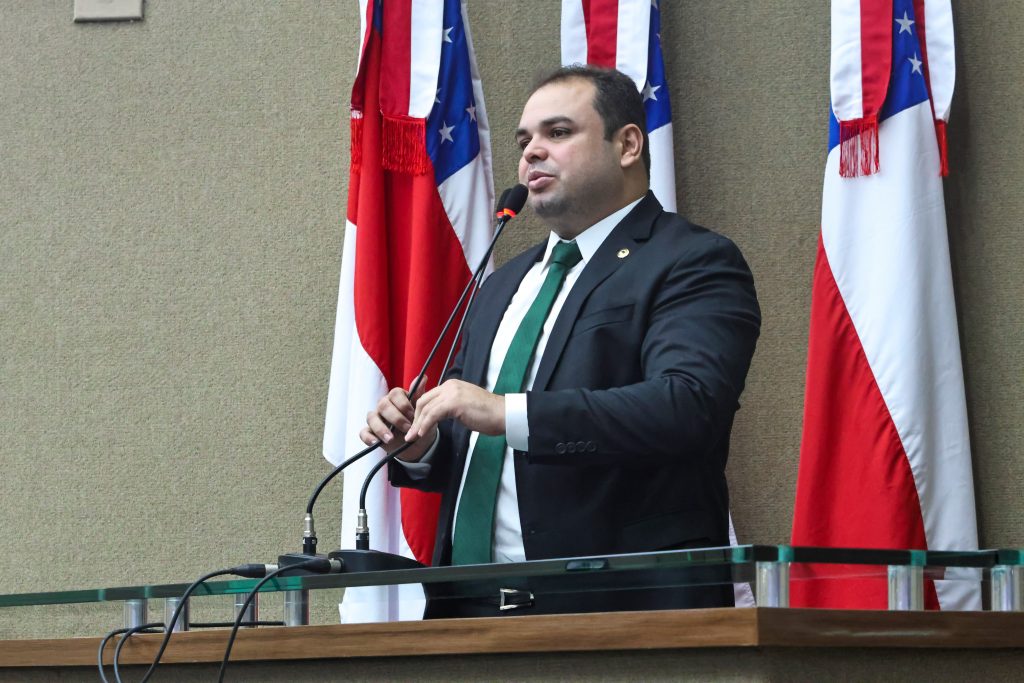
[(472, 112), (915, 64), (448, 34), (437, 96), (905, 24), (649, 90), (446, 132)]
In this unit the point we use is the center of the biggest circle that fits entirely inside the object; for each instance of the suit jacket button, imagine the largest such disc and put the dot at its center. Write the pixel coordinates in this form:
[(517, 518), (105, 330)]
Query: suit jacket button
[(591, 447), (560, 448), (570, 447), (581, 446)]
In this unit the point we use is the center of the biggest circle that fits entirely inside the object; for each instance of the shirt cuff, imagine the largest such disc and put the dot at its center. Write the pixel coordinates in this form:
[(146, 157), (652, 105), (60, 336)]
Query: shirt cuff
[(421, 468), (517, 425)]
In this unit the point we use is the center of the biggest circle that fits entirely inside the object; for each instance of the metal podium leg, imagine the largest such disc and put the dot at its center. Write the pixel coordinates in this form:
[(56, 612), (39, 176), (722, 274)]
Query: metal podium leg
[(136, 612), (296, 608), (252, 612), (1007, 588), (772, 586), (906, 587), (171, 604)]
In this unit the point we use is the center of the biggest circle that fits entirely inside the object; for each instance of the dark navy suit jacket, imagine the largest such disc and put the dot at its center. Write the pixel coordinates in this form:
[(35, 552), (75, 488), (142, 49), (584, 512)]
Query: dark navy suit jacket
[(633, 403)]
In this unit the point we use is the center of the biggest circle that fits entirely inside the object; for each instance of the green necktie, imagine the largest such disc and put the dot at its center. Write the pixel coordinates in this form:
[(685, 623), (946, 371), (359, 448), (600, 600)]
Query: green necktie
[(474, 523)]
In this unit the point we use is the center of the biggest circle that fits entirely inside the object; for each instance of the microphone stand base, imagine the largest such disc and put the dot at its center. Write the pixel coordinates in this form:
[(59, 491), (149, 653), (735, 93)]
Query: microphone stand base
[(351, 560), (292, 559), (372, 561)]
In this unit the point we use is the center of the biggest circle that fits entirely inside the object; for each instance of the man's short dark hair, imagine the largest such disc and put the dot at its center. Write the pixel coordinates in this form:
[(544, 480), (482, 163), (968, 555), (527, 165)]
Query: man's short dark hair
[(616, 100)]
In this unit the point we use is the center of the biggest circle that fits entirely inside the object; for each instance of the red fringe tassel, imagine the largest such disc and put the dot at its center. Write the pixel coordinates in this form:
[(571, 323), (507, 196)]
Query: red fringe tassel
[(403, 145), (355, 144), (858, 147), (940, 136)]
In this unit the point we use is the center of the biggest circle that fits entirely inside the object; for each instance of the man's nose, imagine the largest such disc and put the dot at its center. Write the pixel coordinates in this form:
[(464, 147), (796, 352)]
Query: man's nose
[(534, 151)]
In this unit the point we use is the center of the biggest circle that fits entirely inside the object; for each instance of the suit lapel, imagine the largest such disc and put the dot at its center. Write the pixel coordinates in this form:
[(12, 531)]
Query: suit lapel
[(633, 229)]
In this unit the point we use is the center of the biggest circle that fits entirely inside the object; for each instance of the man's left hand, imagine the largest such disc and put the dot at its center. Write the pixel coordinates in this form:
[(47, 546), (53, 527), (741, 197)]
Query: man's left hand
[(477, 409)]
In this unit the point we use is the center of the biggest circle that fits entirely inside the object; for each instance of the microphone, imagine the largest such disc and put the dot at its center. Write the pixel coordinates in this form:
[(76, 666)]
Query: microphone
[(512, 203), (509, 205)]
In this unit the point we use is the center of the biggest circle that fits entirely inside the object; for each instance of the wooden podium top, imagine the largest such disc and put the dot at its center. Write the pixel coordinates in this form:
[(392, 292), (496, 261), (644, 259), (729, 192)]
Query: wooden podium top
[(710, 628)]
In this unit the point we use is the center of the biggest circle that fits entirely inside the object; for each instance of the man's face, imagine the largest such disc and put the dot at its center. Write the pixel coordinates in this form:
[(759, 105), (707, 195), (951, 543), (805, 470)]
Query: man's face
[(571, 170)]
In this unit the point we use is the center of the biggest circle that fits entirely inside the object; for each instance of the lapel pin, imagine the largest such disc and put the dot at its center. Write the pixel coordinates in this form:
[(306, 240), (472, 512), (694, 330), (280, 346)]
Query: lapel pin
[(623, 253)]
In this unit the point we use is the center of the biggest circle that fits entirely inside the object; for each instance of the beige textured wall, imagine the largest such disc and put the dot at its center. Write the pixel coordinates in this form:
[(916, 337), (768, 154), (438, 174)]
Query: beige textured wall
[(171, 202)]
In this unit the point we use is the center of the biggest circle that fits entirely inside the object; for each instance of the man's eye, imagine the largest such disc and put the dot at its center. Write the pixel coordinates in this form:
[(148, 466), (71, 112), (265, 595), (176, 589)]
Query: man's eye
[(523, 142), (559, 132)]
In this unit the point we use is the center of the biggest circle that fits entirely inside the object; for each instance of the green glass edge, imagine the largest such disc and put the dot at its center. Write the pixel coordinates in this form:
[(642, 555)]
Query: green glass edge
[(734, 555)]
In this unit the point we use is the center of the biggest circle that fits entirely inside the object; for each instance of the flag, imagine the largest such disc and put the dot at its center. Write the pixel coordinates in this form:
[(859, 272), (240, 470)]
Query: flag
[(885, 457), (626, 35), (419, 213)]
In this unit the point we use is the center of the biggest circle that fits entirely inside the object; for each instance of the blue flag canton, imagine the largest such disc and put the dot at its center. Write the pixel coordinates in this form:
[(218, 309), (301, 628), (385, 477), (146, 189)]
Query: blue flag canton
[(453, 139), (907, 86), (655, 93)]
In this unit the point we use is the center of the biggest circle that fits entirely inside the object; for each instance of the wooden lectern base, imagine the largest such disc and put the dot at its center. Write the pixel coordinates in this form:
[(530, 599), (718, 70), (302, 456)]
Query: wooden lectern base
[(621, 632)]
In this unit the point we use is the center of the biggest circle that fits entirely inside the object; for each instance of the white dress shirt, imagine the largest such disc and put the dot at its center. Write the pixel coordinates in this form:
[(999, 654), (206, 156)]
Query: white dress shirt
[(508, 534)]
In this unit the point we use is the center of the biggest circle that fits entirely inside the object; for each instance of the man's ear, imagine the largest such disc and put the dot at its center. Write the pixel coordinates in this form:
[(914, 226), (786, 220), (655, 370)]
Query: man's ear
[(631, 144)]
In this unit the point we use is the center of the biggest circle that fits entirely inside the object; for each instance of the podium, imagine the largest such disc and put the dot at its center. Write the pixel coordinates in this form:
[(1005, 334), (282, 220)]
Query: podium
[(769, 642)]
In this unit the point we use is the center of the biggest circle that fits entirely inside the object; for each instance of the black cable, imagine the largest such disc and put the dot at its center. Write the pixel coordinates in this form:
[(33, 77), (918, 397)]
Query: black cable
[(250, 570), (336, 471), (192, 625), (376, 468), (103, 646), (477, 279), (248, 600), (128, 633), (462, 323)]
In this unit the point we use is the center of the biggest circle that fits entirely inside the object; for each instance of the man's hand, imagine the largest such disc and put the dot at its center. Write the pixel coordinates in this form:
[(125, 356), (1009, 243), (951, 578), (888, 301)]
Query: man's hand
[(477, 409), (393, 417)]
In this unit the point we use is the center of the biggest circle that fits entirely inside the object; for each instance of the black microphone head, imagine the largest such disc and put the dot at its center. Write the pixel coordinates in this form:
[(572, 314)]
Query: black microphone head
[(503, 201), (516, 198)]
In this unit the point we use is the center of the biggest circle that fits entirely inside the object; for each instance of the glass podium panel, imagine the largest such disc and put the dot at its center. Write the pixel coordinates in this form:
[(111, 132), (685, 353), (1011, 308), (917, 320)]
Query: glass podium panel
[(657, 580)]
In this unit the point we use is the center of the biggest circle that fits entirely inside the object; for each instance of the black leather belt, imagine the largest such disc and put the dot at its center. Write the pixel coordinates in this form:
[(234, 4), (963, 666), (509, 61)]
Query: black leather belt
[(507, 599)]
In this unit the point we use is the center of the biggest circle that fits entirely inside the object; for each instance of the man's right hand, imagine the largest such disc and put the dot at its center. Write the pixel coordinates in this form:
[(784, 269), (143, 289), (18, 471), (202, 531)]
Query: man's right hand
[(392, 418)]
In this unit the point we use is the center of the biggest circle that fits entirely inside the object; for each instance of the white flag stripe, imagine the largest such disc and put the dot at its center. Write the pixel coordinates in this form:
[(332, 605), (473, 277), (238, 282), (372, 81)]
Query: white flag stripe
[(574, 33), (941, 54), (427, 21), (363, 4), (466, 198), (845, 71), (356, 384), (663, 166), (346, 372), (631, 48)]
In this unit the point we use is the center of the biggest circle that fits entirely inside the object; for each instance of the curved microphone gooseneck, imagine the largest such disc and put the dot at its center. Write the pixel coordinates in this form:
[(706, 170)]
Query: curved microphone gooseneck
[(511, 203)]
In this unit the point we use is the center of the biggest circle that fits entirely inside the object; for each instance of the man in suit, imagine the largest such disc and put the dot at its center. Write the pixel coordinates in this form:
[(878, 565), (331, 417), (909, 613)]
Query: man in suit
[(589, 409)]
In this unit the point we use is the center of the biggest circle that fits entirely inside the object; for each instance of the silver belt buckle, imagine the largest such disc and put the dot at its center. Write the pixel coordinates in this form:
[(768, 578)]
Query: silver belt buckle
[(513, 598)]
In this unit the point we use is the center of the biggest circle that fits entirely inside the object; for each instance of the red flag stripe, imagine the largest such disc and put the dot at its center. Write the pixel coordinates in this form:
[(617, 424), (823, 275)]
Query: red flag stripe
[(602, 20), (876, 52), (866, 478), (395, 71), (409, 271)]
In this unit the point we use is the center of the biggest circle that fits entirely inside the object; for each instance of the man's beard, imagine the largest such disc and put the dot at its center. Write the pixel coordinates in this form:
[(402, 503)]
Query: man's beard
[(553, 207)]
